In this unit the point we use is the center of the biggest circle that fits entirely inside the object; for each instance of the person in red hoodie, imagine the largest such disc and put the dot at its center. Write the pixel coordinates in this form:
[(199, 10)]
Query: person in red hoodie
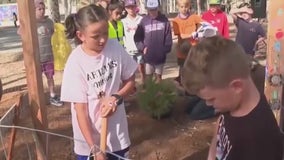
[(217, 18)]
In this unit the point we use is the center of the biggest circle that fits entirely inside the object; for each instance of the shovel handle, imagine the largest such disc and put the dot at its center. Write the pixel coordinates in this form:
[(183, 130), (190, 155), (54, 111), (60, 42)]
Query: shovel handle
[(103, 142)]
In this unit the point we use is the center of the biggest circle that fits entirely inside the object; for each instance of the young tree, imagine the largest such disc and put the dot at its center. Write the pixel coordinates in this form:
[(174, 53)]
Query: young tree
[(53, 6)]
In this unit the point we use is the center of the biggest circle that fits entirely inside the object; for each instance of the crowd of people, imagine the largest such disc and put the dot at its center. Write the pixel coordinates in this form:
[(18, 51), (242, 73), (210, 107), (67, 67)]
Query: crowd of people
[(113, 41)]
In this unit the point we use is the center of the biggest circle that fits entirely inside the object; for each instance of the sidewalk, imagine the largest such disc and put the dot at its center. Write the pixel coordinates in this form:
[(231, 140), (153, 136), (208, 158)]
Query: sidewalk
[(10, 46)]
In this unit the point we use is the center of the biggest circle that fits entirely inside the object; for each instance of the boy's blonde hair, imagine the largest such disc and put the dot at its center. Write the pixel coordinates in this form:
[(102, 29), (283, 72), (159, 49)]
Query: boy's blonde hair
[(215, 62), (183, 2)]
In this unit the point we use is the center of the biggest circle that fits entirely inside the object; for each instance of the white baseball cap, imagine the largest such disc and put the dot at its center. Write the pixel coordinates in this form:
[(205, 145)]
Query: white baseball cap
[(152, 4)]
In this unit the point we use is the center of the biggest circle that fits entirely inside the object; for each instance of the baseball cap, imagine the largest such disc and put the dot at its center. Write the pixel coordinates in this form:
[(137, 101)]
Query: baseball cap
[(214, 1), (244, 5), (152, 4), (129, 3)]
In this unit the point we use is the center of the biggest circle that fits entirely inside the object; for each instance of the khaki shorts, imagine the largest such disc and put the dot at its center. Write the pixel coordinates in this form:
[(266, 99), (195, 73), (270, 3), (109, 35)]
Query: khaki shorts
[(157, 69)]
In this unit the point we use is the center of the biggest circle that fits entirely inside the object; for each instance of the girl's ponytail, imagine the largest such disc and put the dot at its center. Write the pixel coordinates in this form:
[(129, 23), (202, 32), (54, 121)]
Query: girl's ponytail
[(70, 26), (85, 16)]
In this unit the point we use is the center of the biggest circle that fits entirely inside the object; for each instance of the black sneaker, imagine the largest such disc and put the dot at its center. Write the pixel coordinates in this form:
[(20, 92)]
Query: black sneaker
[(55, 101)]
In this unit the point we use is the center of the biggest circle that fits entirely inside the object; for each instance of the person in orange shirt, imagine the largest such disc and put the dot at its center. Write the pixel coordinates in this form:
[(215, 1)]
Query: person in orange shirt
[(183, 26)]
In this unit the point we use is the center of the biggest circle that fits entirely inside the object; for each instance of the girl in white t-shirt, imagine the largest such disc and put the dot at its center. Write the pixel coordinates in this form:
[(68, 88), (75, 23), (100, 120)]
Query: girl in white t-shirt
[(92, 80)]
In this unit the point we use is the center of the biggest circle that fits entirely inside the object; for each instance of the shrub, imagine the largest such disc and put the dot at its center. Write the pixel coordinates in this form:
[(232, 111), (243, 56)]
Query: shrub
[(157, 99)]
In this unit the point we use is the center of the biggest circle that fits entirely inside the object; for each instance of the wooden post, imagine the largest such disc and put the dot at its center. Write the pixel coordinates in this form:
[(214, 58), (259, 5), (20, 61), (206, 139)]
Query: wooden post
[(275, 58), (28, 32)]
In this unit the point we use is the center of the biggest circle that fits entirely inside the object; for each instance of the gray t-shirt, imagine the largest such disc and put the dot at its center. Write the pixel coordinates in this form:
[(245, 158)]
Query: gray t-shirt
[(45, 29), (248, 33)]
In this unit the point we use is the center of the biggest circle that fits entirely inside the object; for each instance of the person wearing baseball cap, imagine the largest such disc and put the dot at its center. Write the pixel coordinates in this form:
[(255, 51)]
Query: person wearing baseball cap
[(216, 17), (153, 38), (130, 24), (214, 2), (250, 33), (152, 4), (128, 3)]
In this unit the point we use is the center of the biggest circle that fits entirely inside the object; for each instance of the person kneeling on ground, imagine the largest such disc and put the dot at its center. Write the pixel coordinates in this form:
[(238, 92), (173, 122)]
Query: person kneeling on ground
[(197, 108)]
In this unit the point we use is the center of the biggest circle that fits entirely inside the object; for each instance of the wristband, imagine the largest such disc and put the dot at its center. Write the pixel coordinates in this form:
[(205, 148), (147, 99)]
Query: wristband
[(119, 99)]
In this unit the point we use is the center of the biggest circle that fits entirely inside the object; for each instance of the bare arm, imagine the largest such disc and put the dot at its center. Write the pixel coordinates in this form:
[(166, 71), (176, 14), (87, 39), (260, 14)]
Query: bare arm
[(128, 86), (260, 39), (107, 107), (212, 149), (235, 13), (84, 122), (260, 43)]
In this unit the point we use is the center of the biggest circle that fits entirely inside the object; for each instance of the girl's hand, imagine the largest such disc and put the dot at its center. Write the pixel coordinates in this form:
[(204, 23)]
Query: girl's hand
[(108, 106), (100, 156)]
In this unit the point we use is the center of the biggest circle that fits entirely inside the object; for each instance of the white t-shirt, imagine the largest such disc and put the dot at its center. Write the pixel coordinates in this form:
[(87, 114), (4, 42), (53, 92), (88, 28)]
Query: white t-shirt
[(84, 77), (130, 26)]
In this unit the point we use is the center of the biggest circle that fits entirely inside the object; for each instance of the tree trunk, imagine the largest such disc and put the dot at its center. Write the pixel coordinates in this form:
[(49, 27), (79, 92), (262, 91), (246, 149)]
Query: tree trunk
[(67, 7), (54, 10), (198, 7)]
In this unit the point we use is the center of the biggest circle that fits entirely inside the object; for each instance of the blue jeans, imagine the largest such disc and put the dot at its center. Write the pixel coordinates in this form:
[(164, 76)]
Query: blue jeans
[(122, 153), (198, 110)]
